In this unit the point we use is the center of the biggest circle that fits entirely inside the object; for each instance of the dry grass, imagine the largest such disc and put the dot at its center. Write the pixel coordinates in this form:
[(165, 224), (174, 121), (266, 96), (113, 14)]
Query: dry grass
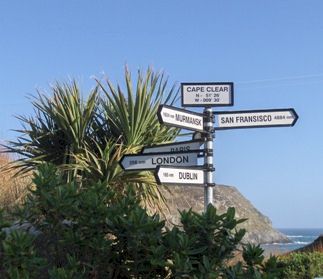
[(12, 188)]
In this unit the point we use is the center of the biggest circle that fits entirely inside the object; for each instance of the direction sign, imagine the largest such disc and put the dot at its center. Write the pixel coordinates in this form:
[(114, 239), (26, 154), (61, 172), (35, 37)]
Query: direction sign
[(179, 176), (151, 161), (255, 118), (173, 147), (180, 118), (207, 94)]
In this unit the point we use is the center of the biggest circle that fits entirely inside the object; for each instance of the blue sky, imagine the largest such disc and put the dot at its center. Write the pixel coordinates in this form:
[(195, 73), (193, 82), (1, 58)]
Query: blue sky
[(271, 50)]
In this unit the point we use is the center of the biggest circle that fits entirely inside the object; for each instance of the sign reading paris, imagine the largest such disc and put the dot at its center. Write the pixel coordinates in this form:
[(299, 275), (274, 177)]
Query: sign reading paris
[(207, 94)]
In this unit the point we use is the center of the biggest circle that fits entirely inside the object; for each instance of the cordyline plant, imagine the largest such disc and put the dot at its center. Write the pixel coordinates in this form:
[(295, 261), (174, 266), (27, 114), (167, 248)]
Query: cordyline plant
[(87, 138)]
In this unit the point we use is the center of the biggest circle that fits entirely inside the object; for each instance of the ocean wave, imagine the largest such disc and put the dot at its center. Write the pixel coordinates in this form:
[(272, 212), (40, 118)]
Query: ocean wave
[(301, 242), (301, 236), (288, 244)]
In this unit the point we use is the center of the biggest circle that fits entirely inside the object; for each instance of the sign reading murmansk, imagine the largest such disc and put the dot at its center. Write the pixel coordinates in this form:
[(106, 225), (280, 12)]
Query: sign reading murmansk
[(180, 118), (207, 94)]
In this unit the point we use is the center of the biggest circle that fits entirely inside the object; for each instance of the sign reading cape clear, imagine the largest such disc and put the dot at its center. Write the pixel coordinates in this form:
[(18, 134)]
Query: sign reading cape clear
[(207, 94), (152, 160), (179, 176), (173, 147), (180, 118), (255, 118)]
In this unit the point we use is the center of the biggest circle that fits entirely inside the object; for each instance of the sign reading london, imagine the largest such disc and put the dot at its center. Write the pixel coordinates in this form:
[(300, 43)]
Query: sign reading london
[(179, 176), (210, 94), (255, 118), (180, 118), (152, 160)]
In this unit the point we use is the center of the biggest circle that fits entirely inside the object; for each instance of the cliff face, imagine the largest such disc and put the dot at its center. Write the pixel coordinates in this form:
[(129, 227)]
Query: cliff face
[(259, 227)]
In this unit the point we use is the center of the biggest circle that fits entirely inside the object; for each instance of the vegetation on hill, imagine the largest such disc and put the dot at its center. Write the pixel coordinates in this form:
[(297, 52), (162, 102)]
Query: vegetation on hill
[(87, 230)]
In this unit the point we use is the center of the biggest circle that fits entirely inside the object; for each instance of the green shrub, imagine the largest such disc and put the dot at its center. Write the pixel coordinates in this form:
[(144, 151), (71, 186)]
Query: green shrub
[(20, 259), (89, 231), (254, 266), (302, 265)]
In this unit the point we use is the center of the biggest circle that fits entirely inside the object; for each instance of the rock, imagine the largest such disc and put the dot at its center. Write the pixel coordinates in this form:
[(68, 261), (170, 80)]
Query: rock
[(259, 227), (23, 226)]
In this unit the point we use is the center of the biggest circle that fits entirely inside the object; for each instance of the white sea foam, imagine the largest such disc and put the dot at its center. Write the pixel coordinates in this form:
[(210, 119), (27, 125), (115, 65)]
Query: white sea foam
[(301, 242), (288, 244)]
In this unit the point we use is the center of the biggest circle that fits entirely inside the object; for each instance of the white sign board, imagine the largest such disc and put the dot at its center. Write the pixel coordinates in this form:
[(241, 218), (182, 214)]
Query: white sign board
[(179, 176), (255, 118), (180, 118), (207, 94), (173, 147), (151, 161)]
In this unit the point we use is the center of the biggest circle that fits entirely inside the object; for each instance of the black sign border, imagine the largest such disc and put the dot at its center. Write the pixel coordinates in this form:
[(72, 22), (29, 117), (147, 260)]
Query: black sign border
[(181, 110), (183, 168), (208, 83), (201, 151), (169, 144), (292, 110)]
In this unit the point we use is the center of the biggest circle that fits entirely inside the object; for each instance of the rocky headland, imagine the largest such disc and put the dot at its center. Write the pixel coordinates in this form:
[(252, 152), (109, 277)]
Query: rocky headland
[(259, 227)]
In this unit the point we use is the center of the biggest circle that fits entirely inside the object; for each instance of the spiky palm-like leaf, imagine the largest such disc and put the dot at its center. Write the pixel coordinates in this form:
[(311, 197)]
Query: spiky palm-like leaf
[(132, 115), (59, 129), (88, 138), (130, 118)]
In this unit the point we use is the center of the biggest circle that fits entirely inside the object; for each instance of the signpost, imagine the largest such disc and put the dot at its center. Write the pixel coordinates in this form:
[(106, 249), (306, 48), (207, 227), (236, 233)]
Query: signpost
[(255, 118), (179, 176), (180, 118), (207, 94), (173, 147), (177, 163), (151, 161)]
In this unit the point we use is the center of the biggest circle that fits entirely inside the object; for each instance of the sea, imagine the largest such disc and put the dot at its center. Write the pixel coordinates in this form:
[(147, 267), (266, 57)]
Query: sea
[(298, 237)]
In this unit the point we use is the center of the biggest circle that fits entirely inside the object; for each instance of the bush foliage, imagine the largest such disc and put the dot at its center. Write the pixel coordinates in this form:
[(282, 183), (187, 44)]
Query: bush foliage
[(302, 265), (86, 230)]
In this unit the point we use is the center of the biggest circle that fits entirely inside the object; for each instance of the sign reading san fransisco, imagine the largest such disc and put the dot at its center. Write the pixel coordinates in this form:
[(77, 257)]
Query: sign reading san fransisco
[(255, 118), (207, 94), (180, 118), (173, 147), (179, 176), (152, 160)]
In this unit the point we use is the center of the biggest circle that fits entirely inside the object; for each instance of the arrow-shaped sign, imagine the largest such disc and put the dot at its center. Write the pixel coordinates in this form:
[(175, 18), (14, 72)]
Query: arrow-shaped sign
[(255, 118), (207, 94), (180, 118), (179, 176), (151, 161), (173, 147)]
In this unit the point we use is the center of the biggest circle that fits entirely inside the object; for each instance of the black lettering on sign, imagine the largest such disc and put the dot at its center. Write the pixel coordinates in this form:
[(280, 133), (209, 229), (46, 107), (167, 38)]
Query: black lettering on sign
[(187, 176), (217, 89), (170, 160), (182, 148), (227, 119), (187, 119)]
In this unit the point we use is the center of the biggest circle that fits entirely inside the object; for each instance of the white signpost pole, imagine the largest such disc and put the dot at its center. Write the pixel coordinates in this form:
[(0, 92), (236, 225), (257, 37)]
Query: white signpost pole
[(208, 157)]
